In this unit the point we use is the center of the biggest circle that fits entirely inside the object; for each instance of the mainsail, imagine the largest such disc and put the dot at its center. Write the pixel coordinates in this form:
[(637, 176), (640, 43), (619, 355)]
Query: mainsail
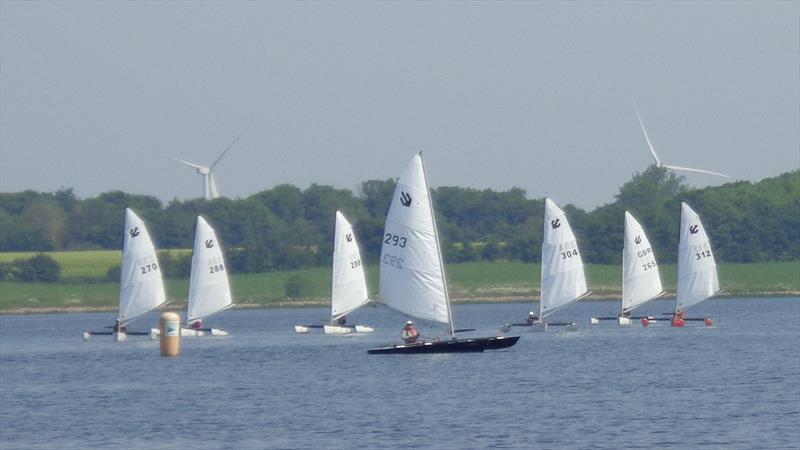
[(141, 286), (563, 280), (349, 290), (412, 279), (697, 271), (641, 281), (209, 288)]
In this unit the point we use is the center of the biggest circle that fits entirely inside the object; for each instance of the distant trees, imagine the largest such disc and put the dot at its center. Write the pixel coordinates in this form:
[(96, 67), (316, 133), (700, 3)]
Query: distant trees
[(39, 268), (287, 227)]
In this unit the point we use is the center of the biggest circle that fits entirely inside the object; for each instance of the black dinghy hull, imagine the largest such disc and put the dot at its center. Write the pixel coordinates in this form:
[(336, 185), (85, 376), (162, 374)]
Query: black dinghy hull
[(472, 345)]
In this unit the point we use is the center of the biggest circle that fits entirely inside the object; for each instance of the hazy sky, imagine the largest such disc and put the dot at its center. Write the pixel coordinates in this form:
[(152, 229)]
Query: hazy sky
[(539, 95)]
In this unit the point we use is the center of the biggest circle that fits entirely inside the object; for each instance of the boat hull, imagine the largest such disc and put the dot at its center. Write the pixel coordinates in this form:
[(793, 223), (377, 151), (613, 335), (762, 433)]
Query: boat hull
[(474, 345)]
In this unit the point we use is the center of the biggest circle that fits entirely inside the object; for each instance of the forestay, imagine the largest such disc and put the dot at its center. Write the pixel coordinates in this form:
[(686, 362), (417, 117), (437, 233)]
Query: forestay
[(141, 285), (349, 290), (641, 281), (563, 280), (209, 288), (697, 271), (411, 275)]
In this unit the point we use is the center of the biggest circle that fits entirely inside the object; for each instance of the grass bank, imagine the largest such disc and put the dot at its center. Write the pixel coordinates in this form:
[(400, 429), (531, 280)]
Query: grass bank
[(482, 281)]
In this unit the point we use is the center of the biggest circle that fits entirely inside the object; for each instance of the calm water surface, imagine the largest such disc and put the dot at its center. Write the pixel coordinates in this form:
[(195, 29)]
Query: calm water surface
[(736, 385)]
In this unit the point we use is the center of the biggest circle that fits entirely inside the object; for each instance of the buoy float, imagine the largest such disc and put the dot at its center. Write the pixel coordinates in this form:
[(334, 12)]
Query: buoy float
[(678, 322), (708, 322), (645, 321), (170, 333)]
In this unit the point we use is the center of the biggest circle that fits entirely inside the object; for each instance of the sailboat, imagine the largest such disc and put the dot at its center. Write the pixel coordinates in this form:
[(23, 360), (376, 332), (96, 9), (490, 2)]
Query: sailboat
[(209, 286), (141, 284), (563, 278), (349, 285), (697, 270), (641, 281), (412, 278)]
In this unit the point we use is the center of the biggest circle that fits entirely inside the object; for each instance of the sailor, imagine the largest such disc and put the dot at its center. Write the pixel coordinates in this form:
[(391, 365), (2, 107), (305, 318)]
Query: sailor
[(531, 319), (118, 329), (342, 321), (197, 324), (409, 334)]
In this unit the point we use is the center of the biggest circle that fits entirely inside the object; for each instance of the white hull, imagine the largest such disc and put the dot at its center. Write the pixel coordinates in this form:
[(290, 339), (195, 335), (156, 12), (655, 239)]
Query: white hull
[(332, 329), (191, 332), (623, 321), (301, 329)]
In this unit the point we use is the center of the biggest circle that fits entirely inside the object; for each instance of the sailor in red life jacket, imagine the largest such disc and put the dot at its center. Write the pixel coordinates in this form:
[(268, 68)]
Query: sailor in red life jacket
[(531, 319), (197, 324), (680, 319), (409, 334)]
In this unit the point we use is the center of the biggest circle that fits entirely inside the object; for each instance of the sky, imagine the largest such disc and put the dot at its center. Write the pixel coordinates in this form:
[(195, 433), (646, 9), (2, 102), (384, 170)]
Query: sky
[(95, 96)]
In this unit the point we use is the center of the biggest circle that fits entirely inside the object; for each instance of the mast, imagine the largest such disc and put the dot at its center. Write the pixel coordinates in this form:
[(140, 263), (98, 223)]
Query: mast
[(541, 276), (439, 246)]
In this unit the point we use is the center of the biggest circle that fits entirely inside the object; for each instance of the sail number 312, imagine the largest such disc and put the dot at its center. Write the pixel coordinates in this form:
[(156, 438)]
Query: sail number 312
[(703, 254)]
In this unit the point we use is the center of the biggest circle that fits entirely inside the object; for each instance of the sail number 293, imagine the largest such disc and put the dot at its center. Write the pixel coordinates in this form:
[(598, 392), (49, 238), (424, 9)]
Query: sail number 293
[(394, 240)]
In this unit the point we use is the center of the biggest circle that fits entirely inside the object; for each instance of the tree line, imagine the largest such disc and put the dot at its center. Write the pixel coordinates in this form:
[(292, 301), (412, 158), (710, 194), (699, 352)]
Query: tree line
[(287, 227)]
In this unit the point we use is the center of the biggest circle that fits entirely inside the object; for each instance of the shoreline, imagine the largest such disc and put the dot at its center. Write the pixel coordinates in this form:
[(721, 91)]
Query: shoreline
[(315, 303)]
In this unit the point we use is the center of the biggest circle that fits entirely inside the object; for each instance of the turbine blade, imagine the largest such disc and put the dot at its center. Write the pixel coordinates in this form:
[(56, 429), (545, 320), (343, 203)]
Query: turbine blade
[(196, 166), (227, 149), (646, 137), (689, 169)]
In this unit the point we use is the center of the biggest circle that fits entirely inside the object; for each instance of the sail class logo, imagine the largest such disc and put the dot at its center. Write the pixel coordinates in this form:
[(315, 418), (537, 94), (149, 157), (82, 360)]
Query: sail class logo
[(694, 229), (638, 239), (555, 223), (209, 243), (134, 232), (405, 199), (349, 237)]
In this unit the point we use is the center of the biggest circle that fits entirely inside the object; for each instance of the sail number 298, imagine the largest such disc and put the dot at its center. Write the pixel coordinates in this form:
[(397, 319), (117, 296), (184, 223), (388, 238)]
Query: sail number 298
[(394, 240)]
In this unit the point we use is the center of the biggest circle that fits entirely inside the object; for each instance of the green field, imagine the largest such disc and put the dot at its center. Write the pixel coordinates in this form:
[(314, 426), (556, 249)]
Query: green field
[(83, 264), (467, 282)]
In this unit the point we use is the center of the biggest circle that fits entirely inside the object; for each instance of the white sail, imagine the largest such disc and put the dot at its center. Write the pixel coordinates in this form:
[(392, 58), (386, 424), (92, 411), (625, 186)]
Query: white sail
[(141, 286), (563, 280), (411, 276), (349, 290), (209, 288), (697, 271), (641, 281)]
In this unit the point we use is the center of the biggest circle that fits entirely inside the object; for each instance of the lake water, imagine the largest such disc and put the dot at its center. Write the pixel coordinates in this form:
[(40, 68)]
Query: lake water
[(735, 385)]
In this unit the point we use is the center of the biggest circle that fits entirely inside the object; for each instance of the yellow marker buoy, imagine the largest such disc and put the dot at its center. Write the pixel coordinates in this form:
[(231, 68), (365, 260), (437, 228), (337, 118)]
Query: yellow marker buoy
[(170, 328)]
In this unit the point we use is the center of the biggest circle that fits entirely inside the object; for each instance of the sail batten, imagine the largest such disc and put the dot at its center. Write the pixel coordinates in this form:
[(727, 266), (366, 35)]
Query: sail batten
[(411, 275), (141, 283), (209, 287), (697, 269), (563, 278), (641, 281), (349, 285)]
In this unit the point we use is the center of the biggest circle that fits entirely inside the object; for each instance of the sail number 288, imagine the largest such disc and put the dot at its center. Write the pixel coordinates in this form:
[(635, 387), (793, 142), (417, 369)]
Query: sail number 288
[(394, 240), (216, 268)]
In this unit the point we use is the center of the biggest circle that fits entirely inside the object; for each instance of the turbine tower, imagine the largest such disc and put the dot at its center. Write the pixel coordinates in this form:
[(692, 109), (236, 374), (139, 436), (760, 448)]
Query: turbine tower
[(210, 191), (666, 166)]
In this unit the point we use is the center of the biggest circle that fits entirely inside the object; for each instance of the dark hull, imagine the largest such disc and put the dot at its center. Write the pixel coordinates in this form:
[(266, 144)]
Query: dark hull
[(499, 342), (475, 345)]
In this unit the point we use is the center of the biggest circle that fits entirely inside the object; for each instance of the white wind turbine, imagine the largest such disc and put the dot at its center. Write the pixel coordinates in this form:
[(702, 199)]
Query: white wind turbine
[(209, 185), (658, 161)]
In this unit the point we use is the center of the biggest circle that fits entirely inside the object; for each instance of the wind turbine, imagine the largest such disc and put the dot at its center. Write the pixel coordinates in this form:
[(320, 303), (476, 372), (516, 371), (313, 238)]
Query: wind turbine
[(666, 166), (209, 185)]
